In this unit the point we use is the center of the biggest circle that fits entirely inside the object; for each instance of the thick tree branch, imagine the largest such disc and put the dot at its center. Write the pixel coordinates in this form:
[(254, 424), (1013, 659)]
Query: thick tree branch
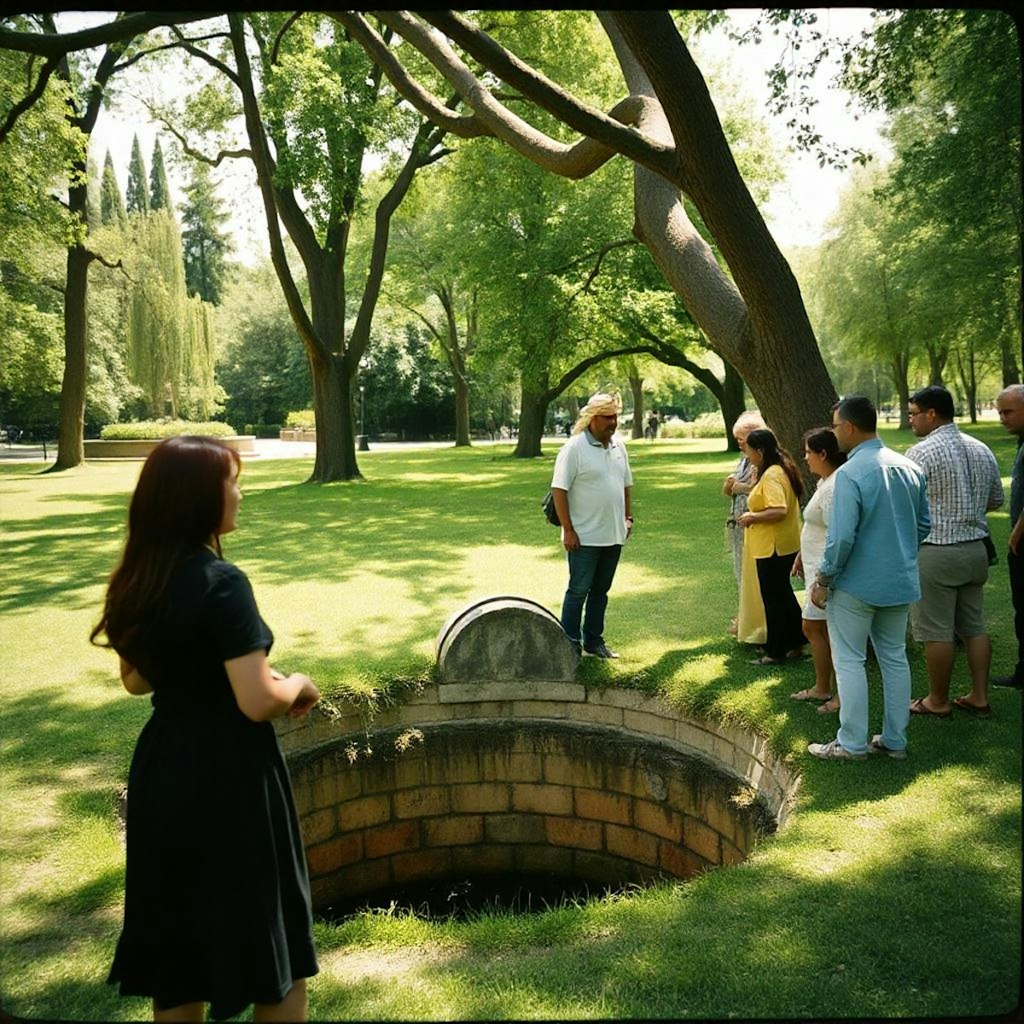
[(570, 161), (195, 154), (464, 126), (606, 129), (276, 45), (316, 345), (30, 98), (121, 30), (219, 65), (581, 368)]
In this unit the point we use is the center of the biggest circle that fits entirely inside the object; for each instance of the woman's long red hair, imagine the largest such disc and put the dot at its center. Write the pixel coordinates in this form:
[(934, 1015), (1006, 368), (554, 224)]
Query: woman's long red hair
[(177, 507)]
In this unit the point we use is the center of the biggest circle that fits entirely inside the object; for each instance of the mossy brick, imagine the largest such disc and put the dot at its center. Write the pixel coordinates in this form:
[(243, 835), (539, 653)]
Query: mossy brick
[(701, 839), (427, 801), (457, 830), (481, 796), (631, 844), (598, 714), (649, 724), (378, 778), (679, 861), (393, 838), (600, 806), (410, 769), (721, 817), (541, 798), (624, 778), (600, 867), (514, 828), (318, 826), (553, 859), (406, 867), (494, 709), (659, 820), (732, 854), (565, 770), (332, 789), (482, 860), (617, 698), (325, 858), (364, 811), (453, 766), (540, 709), (583, 835), (303, 794), (684, 794)]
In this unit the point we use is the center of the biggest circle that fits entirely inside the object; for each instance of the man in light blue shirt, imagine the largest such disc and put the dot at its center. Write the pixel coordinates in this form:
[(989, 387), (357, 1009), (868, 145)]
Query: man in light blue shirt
[(868, 576)]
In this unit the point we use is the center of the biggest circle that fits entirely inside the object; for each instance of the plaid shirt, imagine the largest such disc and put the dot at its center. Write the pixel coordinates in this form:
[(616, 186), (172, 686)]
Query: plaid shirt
[(963, 484)]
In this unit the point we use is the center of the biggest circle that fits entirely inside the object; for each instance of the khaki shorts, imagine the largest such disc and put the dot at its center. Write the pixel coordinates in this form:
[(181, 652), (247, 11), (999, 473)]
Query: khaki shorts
[(952, 577)]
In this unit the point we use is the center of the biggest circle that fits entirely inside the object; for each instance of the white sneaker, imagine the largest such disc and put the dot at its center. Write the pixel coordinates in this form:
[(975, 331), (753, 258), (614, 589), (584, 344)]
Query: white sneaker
[(833, 752), (876, 746)]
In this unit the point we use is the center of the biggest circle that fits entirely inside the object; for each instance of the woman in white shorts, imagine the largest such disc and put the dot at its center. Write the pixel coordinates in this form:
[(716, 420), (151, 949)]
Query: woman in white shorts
[(823, 458)]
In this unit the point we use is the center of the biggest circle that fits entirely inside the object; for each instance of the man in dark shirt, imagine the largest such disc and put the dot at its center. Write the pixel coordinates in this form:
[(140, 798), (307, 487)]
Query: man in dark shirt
[(1010, 403)]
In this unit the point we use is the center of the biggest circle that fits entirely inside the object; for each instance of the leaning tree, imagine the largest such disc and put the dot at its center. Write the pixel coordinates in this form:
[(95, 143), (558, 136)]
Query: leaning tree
[(752, 314)]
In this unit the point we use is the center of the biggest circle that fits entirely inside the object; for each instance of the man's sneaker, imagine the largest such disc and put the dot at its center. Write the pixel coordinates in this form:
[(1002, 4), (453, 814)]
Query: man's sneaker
[(600, 651), (876, 746), (833, 752)]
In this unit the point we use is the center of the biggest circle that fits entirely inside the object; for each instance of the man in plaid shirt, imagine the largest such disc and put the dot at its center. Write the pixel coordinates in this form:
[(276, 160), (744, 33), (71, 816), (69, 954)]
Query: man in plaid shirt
[(963, 484)]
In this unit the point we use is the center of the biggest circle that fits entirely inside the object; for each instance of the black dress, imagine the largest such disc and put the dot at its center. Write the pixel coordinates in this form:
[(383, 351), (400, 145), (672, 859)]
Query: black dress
[(217, 905)]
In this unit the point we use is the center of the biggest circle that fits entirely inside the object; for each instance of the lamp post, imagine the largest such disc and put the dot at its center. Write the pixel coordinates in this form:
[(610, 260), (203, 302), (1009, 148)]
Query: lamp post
[(362, 443)]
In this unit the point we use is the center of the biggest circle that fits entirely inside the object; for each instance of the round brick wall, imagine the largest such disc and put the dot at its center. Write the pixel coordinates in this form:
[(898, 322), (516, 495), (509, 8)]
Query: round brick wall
[(609, 795)]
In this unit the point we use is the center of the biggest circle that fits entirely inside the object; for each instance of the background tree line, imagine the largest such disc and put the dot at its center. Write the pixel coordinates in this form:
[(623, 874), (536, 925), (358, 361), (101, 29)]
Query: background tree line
[(460, 284)]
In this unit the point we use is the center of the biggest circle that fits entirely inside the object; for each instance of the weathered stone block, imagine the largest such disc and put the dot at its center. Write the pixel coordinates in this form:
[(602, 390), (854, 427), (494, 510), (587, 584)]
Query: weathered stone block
[(702, 840), (583, 835), (631, 843), (514, 828), (659, 820), (406, 867), (541, 797), (327, 857), (460, 830), (592, 803), (503, 639), (364, 811), (388, 839), (481, 796), (573, 771), (421, 803)]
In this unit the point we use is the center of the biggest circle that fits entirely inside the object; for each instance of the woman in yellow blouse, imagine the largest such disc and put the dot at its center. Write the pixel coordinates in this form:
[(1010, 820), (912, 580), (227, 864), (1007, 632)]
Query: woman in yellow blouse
[(771, 543)]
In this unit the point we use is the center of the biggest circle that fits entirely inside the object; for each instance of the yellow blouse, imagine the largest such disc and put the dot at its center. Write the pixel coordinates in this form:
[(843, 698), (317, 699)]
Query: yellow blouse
[(773, 490)]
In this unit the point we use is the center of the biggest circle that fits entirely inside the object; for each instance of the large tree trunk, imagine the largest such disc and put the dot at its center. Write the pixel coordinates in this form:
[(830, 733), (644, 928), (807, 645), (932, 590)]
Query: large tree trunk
[(937, 357), (1011, 369), (733, 403), (71, 426), (533, 412), (900, 370), (636, 387), (335, 428), (759, 324), (461, 412)]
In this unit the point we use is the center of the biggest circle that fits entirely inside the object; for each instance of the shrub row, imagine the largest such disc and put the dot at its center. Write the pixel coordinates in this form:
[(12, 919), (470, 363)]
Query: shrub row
[(707, 424), (147, 430)]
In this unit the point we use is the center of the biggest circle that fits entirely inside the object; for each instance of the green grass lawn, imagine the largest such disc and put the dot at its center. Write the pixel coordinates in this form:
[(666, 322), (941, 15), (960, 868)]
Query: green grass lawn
[(892, 891)]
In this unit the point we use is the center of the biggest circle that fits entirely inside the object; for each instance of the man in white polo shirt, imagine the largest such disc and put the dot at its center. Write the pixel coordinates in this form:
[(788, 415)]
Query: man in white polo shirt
[(591, 490)]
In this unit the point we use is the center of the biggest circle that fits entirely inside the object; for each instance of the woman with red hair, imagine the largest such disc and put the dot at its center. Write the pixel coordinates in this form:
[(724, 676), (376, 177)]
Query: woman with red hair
[(217, 905)]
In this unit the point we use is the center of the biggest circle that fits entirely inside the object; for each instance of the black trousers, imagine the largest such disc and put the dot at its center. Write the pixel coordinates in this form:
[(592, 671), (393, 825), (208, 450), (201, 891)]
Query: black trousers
[(781, 608), (1015, 563)]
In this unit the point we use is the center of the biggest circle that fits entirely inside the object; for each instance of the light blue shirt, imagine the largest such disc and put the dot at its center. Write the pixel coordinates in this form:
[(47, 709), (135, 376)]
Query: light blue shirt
[(879, 518)]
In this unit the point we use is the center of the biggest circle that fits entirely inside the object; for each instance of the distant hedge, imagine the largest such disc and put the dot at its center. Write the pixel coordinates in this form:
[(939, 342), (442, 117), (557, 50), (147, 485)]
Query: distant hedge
[(150, 430)]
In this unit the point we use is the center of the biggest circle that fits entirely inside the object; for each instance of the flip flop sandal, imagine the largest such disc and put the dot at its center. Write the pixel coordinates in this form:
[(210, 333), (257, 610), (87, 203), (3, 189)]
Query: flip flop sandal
[(808, 695), (827, 708), (766, 661), (982, 711), (918, 707)]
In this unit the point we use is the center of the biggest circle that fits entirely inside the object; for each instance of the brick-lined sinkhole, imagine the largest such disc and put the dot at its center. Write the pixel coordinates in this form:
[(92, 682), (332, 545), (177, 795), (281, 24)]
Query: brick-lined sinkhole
[(603, 789)]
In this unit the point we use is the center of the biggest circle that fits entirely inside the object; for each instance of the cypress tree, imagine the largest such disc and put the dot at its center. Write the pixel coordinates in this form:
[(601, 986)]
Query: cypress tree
[(137, 193), (205, 245), (112, 209), (159, 187)]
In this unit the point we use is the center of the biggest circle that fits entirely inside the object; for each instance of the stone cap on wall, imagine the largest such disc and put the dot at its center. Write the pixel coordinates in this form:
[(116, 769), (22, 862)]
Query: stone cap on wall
[(504, 639)]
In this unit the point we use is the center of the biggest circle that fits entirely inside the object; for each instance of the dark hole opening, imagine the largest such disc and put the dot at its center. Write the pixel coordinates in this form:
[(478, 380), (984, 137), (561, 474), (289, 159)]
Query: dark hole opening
[(464, 897)]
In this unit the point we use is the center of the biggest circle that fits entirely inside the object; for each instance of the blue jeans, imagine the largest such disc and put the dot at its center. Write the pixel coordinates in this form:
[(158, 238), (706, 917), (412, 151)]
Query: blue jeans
[(591, 571), (850, 623)]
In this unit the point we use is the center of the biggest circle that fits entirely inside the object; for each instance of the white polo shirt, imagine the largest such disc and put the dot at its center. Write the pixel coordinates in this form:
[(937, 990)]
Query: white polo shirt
[(594, 478)]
